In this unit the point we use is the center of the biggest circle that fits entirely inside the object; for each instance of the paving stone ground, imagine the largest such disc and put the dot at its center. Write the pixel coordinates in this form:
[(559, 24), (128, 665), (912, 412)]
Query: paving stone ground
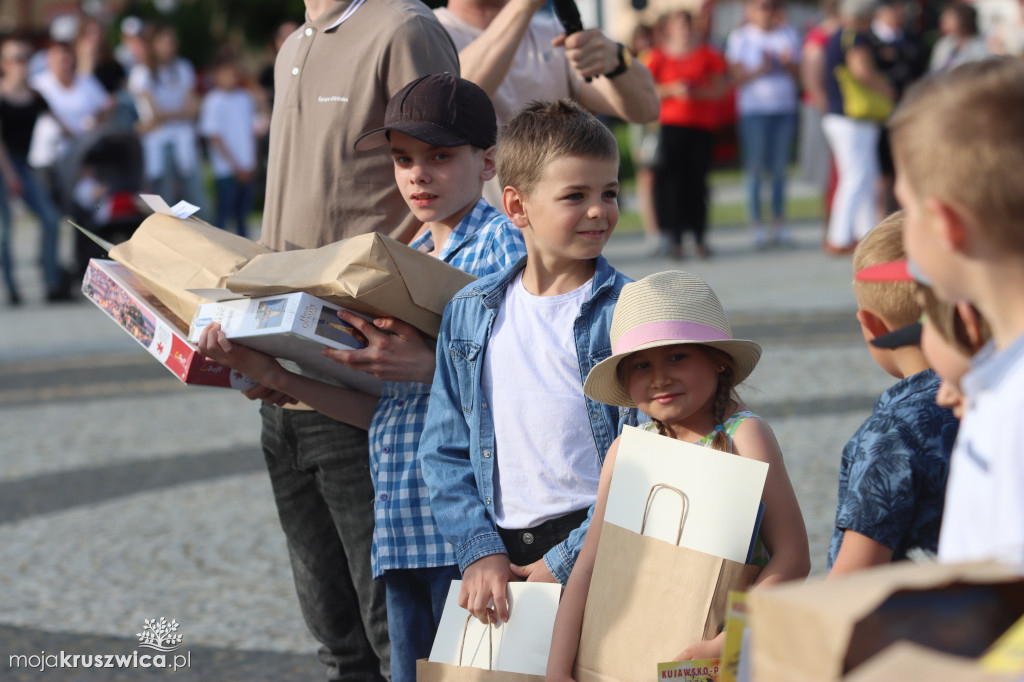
[(125, 495)]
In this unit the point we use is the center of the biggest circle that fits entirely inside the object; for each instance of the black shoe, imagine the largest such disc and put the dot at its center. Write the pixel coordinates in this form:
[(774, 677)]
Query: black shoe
[(13, 298)]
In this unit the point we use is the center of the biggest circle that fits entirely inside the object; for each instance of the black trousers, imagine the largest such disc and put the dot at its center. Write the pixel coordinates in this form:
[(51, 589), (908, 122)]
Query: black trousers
[(526, 545), (681, 182)]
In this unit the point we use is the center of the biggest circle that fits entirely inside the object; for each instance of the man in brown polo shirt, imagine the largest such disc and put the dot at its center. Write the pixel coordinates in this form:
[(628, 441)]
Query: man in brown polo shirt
[(333, 79)]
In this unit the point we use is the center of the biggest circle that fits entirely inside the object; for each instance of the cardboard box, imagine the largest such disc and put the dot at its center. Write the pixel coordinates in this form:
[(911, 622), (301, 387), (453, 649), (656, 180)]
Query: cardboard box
[(294, 328), (820, 630), (124, 299)]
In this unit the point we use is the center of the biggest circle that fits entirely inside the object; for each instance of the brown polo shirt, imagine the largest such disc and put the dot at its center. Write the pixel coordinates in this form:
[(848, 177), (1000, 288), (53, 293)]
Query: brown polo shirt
[(333, 79)]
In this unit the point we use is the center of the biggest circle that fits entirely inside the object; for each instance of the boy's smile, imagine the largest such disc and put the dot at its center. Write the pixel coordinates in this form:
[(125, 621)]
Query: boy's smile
[(571, 213), (440, 184)]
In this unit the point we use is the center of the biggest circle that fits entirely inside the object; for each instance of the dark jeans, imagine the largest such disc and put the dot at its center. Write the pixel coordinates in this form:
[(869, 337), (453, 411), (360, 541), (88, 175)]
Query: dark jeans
[(526, 545), (681, 182), (416, 599), (37, 198), (320, 473), (234, 199)]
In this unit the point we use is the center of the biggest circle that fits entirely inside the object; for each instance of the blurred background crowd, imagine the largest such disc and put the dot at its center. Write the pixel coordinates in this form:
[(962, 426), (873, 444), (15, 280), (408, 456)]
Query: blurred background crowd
[(102, 100)]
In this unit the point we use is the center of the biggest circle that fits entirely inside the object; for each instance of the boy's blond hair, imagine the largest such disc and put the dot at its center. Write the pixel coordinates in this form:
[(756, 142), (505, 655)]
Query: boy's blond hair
[(895, 302), (543, 131), (959, 137)]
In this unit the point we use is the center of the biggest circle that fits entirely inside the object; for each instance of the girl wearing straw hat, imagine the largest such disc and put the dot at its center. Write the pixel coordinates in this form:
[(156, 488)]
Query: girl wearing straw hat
[(674, 358)]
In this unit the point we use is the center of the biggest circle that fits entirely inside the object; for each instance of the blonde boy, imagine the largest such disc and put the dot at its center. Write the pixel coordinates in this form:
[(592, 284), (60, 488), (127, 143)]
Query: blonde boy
[(893, 472), (512, 449), (958, 143)]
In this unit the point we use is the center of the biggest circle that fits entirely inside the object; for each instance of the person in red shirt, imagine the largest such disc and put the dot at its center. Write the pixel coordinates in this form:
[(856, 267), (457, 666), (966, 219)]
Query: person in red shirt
[(690, 77)]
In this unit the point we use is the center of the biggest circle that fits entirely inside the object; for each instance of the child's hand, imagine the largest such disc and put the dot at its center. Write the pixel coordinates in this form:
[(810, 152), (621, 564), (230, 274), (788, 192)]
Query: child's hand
[(402, 355), (268, 395), (214, 344), (486, 580), (709, 648), (537, 572)]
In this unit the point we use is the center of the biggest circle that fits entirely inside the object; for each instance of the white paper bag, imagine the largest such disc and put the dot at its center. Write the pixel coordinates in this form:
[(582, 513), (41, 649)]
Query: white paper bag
[(520, 645), (722, 493)]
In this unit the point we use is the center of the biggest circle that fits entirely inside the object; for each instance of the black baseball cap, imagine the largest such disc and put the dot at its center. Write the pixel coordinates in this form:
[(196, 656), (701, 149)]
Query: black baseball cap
[(440, 109)]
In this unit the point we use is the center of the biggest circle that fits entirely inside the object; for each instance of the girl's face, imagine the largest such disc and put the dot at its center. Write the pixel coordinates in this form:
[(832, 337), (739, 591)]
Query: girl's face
[(949, 363), (165, 45), (674, 384)]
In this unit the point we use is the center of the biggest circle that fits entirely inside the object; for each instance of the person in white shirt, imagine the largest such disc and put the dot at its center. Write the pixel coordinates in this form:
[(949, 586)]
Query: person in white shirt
[(166, 99), (77, 104), (764, 56), (227, 120), (516, 51)]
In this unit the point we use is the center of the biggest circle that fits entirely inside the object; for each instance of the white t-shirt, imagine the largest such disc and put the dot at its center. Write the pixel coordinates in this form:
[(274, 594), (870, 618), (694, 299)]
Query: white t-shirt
[(548, 464), (77, 106), (230, 115), (169, 92), (984, 512), (538, 71), (776, 91)]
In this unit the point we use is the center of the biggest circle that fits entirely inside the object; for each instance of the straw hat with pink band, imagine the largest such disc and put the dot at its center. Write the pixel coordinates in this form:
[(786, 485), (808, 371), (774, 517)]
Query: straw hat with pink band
[(665, 309)]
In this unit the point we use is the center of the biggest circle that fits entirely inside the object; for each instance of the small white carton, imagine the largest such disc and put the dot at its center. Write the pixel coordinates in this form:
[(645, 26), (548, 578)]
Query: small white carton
[(294, 328)]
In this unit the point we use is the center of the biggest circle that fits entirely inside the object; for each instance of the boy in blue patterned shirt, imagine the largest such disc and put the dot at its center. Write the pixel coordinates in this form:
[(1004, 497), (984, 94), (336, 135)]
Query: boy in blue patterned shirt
[(441, 133), (892, 478)]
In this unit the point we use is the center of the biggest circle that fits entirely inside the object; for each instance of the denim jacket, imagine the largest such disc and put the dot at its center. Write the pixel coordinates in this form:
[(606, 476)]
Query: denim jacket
[(457, 446)]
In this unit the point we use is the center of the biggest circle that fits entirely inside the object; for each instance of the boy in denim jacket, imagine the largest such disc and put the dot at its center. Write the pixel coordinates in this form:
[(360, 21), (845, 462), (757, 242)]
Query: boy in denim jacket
[(505, 453)]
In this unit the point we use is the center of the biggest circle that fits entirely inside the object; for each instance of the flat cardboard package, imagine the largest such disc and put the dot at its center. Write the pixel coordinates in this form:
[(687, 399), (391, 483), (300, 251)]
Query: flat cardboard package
[(370, 273), (173, 257), (294, 328), (124, 299), (819, 631), (186, 262)]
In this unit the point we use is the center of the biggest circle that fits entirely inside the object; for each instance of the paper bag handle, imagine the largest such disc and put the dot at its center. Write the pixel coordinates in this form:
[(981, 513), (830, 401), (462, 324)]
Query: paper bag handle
[(490, 642), (647, 507)]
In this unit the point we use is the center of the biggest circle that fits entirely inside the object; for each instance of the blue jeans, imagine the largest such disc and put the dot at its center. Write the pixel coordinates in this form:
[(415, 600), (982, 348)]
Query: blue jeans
[(766, 141), (416, 599), (38, 200), (320, 473), (234, 200)]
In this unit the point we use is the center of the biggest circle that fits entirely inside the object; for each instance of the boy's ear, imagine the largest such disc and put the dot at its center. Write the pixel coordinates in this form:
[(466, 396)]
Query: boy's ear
[(490, 168), (512, 201), (872, 325), (952, 226), (972, 324)]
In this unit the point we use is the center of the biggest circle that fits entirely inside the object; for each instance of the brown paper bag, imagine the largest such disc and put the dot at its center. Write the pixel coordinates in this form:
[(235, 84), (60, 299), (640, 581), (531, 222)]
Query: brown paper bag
[(170, 256), (648, 600), (907, 662), (429, 671), (370, 273), (817, 631)]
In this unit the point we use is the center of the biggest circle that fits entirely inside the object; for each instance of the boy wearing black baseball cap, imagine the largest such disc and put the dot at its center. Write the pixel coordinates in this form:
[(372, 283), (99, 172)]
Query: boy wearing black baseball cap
[(440, 130)]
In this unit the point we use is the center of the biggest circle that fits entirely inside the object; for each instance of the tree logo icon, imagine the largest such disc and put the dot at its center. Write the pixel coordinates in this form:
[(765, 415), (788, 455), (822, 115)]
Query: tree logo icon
[(159, 634)]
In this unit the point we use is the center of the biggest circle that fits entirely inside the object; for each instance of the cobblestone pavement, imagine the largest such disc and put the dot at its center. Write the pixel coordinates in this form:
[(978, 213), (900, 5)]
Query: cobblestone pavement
[(125, 496)]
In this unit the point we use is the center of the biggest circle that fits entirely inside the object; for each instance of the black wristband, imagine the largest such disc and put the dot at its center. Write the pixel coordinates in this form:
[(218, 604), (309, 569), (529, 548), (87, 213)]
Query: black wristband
[(625, 61)]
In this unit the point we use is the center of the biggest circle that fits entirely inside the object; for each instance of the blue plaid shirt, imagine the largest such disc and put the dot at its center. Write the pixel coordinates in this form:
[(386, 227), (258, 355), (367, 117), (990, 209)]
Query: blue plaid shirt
[(404, 534)]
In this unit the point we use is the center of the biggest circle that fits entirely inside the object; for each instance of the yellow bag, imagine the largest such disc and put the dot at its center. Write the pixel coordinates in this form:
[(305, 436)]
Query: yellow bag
[(860, 101)]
